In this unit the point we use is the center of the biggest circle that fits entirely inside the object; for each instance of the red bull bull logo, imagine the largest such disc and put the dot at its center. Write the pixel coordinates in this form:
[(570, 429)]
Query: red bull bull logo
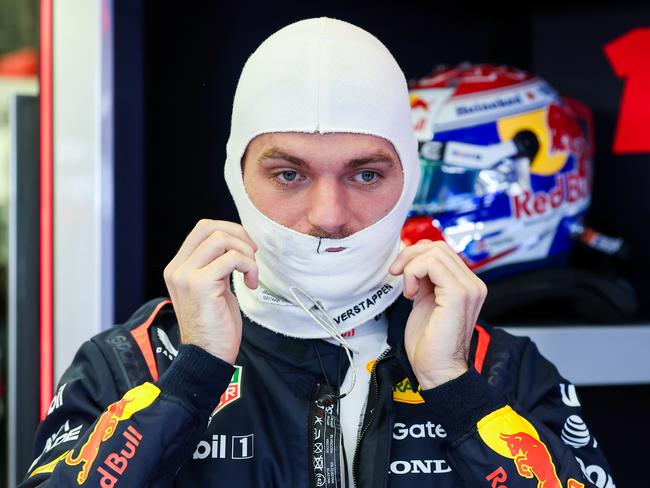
[(532, 459), (133, 401), (512, 436), (103, 430), (566, 133)]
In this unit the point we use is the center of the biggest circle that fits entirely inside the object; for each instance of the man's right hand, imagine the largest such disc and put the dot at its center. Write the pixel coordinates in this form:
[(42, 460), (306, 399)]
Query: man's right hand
[(198, 281)]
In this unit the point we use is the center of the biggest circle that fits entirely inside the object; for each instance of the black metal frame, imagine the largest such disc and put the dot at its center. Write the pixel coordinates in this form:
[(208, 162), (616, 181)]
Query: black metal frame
[(23, 284)]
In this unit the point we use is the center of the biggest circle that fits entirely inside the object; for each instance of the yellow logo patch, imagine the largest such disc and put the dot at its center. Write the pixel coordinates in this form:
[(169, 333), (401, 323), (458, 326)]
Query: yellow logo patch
[(512, 436), (403, 392)]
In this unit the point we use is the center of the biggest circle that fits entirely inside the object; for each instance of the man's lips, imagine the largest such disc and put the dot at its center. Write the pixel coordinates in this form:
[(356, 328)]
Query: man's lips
[(335, 249)]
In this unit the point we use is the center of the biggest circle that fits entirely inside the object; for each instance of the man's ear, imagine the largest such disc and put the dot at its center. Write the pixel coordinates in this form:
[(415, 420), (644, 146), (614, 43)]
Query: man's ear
[(243, 160)]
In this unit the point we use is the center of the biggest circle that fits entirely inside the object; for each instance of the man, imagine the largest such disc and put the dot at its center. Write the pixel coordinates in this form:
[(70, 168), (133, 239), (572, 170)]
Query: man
[(310, 368)]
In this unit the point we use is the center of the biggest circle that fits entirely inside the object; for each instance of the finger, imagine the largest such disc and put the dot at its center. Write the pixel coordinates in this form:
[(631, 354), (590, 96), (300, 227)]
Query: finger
[(449, 291), (459, 263), (411, 285), (444, 252), (430, 270), (438, 248), (474, 285), (475, 288), (407, 254), (221, 268), (217, 244), (413, 281), (423, 246), (456, 264), (201, 231)]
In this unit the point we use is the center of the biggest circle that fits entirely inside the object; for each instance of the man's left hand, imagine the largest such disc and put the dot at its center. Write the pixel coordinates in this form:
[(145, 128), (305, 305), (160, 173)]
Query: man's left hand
[(447, 297)]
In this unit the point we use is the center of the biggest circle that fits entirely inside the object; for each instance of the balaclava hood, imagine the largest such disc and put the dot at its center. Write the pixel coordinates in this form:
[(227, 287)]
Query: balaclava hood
[(321, 75)]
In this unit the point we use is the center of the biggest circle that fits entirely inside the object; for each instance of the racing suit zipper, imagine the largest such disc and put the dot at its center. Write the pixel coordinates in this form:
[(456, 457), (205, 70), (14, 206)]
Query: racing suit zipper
[(387, 354)]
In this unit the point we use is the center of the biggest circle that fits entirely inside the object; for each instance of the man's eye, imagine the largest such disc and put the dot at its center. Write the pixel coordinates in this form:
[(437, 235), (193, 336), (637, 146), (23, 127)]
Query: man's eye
[(288, 176), (367, 176)]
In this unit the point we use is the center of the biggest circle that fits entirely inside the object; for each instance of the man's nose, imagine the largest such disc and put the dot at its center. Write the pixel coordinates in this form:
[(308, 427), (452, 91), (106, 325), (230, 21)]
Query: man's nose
[(328, 206)]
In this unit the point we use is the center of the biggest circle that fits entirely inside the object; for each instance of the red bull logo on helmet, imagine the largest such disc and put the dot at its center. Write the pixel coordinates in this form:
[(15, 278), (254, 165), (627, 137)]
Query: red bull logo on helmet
[(555, 134), (133, 401), (566, 133), (570, 188), (514, 437)]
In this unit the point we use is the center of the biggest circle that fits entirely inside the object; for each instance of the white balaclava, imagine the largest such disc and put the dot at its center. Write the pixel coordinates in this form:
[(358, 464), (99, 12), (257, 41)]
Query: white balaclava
[(321, 75)]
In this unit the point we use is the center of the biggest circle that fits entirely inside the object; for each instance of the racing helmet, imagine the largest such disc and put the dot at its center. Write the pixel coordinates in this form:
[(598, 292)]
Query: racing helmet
[(506, 167)]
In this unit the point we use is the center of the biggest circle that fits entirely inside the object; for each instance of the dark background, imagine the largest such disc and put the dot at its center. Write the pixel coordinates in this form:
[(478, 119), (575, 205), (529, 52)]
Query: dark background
[(177, 65)]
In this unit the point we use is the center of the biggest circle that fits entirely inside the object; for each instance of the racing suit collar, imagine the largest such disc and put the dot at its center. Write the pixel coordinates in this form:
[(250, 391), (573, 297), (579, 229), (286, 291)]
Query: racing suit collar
[(301, 353), (398, 314)]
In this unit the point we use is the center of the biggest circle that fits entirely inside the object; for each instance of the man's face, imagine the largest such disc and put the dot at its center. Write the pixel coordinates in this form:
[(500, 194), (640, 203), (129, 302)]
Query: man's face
[(325, 185)]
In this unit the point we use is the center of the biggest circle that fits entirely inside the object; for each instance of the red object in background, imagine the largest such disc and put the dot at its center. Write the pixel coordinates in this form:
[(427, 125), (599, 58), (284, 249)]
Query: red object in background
[(19, 63), (472, 78), (566, 133), (586, 122), (46, 211), (418, 228), (629, 56)]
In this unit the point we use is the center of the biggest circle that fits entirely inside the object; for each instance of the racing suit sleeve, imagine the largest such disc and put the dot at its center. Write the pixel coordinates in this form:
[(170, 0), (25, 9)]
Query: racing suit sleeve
[(140, 439), (532, 436)]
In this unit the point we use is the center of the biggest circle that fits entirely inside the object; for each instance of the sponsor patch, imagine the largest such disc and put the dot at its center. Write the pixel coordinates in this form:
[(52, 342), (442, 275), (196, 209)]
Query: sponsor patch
[(575, 432), (233, 392), (63, 435), (403, 392), (514, 437), (57, 401), (420, 466), (132, 402), (569, 395), (218, 447), (167, 349)]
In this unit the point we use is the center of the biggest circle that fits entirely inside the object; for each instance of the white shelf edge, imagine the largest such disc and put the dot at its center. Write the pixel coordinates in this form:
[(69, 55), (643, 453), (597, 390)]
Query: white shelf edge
[(594, 355)]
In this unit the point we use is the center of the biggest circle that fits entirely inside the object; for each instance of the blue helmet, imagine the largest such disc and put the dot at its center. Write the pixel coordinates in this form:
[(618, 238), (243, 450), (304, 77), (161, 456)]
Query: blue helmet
[(506, 167)]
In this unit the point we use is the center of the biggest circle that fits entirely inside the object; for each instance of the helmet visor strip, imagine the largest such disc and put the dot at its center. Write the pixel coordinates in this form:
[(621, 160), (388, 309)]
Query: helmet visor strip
[(456, 176)]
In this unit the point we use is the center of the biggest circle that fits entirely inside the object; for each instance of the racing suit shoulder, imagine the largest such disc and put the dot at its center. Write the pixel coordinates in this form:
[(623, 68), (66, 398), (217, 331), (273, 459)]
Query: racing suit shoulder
[(516, 420), (114, 419)]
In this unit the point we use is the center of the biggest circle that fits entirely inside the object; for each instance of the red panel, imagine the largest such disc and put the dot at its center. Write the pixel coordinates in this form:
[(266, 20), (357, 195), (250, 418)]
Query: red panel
[(628, 56), (481, 347), (46, 212)]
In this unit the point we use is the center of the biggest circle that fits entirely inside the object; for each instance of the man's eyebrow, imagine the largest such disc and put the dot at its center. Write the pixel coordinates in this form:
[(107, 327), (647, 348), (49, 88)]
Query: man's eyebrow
[(275, 153), (376, 157)]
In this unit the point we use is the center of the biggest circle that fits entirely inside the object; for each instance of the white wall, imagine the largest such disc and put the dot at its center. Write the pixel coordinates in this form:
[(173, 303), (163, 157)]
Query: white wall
[(83, 207)]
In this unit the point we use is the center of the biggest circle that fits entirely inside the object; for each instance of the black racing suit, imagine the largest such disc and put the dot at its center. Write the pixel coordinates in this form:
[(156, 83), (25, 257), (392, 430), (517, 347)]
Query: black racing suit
[(136, 408)]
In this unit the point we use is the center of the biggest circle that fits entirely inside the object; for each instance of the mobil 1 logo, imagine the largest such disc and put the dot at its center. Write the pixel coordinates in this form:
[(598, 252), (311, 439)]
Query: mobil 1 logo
[(222, 446)]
